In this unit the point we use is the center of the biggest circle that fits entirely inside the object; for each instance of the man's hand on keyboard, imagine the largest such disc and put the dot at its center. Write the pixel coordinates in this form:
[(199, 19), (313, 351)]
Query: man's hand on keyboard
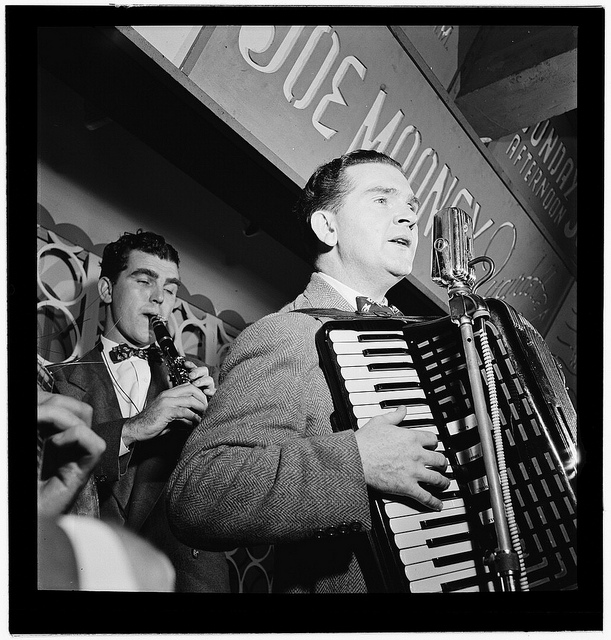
[(401, 461)]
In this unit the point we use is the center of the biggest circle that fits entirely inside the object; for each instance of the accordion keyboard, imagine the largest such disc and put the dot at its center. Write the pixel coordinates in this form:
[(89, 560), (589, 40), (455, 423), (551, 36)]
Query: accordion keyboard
[(435, 548)]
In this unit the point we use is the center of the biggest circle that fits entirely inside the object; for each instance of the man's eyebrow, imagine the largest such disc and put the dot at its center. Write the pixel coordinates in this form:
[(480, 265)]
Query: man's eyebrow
[(379, 189), (391, 190), (143, 271)]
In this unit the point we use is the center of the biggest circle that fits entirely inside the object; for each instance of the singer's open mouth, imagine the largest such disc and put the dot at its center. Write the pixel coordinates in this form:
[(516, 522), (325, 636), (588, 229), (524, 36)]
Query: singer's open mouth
[(402, 241)]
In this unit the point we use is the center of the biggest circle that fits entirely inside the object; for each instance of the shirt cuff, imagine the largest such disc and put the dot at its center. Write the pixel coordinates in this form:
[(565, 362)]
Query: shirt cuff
[(122, 449)]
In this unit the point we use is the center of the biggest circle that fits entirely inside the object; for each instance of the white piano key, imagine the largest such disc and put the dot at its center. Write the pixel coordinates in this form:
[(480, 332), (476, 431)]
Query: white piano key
[(422, 553), (422, 536), (345, 335), (425, 423), (453, 482), (373, 397), (357, 360), (401, 524), (427, 570), (420, 412), (399, 510), (359, 347), (426, 427), (368, 383), (363, 373)]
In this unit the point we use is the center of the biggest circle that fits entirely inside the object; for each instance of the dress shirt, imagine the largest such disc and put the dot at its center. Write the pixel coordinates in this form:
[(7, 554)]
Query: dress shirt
[(347, 292), (131, 379)]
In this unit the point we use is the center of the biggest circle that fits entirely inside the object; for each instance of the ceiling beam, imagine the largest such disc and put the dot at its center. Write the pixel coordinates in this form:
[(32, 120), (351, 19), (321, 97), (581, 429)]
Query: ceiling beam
[(516, 77)]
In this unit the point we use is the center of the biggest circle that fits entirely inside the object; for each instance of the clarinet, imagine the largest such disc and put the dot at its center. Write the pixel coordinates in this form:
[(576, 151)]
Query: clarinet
[(179, 374)]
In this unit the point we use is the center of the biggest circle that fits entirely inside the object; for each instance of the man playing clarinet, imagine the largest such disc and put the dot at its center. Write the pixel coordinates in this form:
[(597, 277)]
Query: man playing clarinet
[(141, 417)]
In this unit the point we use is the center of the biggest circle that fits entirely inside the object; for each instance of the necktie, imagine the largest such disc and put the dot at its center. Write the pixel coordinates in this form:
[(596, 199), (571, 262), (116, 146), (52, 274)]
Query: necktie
[(123, 352), (367, 306)]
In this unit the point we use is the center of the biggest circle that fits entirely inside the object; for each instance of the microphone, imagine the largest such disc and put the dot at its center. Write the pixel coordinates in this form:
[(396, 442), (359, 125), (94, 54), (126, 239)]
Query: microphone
[(452, 252)]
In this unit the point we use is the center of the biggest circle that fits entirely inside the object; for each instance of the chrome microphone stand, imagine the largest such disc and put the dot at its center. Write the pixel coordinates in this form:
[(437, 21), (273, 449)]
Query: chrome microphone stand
[(452, 267), (464, 308)]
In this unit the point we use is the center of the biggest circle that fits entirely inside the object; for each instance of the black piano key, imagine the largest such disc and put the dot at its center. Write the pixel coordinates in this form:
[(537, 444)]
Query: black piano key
[(464, 583), (379, 337), (389, 366), (450, 495), (396, 386), (451, 539), (396, 402), (392, 351), (442, 522), (448, 561), (416, 423)]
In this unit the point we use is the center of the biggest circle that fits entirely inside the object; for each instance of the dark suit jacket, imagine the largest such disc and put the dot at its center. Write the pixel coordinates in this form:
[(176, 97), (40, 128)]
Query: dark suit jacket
[(130, 486), (265, 466)]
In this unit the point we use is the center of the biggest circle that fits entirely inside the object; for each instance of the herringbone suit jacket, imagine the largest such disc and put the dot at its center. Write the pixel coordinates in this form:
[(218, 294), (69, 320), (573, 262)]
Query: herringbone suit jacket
[(130, 486), (265, 466)]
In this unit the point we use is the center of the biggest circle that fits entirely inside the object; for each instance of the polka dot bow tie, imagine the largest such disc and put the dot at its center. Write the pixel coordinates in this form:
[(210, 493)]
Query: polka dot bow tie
[(124, 351), (367, 306)]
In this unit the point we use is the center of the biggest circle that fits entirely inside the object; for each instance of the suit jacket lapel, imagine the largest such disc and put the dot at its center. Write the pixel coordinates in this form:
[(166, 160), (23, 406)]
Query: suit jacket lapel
[(91, 375)]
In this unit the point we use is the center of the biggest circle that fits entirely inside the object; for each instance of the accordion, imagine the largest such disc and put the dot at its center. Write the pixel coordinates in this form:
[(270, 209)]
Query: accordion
[(372, 365)]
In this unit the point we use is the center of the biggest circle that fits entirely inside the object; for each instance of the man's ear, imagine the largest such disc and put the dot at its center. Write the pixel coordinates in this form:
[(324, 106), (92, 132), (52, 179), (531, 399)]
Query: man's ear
[(105, 290), (323, 225)]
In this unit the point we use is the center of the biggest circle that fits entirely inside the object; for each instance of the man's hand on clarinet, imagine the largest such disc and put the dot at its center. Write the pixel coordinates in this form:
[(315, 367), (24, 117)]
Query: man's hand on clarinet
[(201, 378), (184, 403), (402, 461)]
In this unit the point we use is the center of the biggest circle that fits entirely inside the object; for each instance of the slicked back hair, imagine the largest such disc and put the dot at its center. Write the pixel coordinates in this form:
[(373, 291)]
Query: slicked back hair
[(116, 254), (327, 188)]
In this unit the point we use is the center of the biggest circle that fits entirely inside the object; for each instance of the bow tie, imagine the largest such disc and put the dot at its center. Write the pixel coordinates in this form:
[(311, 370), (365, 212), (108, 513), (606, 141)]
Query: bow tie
[(367, 306), (124, 351)]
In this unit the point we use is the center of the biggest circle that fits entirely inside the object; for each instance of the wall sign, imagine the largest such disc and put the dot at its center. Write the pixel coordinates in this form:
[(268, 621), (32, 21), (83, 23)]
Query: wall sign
[(305, 94), (541, 162)]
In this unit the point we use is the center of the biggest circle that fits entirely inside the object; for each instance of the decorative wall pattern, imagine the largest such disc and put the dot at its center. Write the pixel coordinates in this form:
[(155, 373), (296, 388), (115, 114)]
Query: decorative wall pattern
[(70, 320)]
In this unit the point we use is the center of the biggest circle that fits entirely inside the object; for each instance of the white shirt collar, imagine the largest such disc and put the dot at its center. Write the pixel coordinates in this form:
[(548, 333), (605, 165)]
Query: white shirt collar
[(107, 345), (345, 291)]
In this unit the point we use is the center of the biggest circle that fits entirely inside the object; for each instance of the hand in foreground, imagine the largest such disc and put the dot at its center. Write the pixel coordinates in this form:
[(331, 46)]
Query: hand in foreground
[(201, 378), (185, 403), (398, 460), (71, 451)]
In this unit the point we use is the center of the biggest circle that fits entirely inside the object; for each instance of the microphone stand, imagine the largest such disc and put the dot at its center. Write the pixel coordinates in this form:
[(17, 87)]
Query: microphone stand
[(465, 306)]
